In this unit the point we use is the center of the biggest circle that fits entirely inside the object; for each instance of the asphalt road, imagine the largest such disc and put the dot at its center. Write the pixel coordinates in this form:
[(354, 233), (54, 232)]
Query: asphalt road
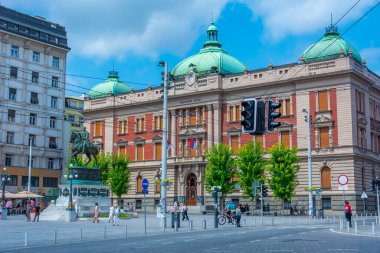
[(296, 238)]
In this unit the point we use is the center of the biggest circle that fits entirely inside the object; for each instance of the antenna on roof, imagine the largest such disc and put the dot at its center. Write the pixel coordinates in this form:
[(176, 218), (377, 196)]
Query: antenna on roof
[(212, 17), (331, 20), (113, 65)]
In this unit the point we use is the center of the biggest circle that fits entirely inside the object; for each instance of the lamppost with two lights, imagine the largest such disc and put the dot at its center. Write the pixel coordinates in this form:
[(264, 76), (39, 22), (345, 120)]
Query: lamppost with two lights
[(4, 179), (71, 175)]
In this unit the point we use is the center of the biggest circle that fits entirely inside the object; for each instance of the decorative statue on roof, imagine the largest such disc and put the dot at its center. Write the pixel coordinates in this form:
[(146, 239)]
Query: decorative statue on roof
[(82, 145)]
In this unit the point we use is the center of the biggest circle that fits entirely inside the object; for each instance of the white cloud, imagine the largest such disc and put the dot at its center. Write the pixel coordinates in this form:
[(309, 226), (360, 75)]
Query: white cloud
[(116, 28), (291, 17)]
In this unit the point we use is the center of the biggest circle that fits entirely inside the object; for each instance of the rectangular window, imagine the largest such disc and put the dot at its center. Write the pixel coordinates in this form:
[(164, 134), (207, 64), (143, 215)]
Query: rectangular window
[(287, 106), (324, 140), (50, 182), (360, 101), (98, 128), (35, 76), (54, 81), (53, 122), (326, 203), (8, 160), (81, 105), (140, 125), (52, 142), (11, 115), (237, 113), (139, 151), (13, 181), (285, 138), (32, 140), (193, 116), (55, 62), (158, 150), (54, 102), (122, 150), (72, 118), (73, 104), (158, 122), (373, 139), (231, 113), (36, 56), (33, 119), (13, 72), (362, 137), (10, 137), (12, 94), (235, 144), (34, 98), (50, 163), (138, 204), (14, 51), (34, 181), (322, 101), (81, 120)]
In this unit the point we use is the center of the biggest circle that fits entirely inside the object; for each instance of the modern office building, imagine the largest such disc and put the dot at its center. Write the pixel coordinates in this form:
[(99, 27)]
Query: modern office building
[(32, 100), (332, 82)]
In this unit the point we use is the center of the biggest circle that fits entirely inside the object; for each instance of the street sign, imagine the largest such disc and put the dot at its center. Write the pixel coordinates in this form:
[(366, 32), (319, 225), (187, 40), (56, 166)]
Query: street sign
[(144, 191), (364, 195), (254, 191), (255, 184), (343, 187), (319, 193), (343, 179), (145, 183)]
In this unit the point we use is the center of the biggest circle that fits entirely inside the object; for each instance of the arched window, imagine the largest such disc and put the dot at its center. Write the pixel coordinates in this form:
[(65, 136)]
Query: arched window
[(139, 184), (326, 178), (363, 179)]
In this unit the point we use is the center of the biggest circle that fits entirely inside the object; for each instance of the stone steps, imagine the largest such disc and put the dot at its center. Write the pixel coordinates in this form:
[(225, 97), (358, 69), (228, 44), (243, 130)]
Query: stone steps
[(53, 213)]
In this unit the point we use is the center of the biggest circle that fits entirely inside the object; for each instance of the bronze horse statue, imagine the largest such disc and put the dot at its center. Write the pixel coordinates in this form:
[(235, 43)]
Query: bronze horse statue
[(82, 145)]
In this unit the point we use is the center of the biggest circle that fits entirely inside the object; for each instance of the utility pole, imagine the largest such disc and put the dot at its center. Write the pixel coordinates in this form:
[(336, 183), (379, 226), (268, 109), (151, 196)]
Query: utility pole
[(30, 165), (164, 147), (308, 120)]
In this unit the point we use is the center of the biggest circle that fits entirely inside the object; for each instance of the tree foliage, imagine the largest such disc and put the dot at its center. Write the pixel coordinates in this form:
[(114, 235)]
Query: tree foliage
[(220, 168), (283, 167), (251, 163)]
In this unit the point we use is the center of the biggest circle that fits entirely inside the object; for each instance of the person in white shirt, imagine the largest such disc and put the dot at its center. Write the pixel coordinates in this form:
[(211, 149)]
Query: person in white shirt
[(111, 214), (116, 216)]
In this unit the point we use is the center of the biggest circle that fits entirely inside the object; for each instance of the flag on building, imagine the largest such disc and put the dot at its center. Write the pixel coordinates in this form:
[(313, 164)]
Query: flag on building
[(192, 143)]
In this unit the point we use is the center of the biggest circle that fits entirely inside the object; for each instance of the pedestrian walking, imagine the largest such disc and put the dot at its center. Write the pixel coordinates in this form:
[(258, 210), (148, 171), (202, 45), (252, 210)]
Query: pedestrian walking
[(176, 206), (116, 216), (238, 215), (96, 213), (112, 213), (1, 209), (184, 212), (37, 215), (348, 212), (28, 211)]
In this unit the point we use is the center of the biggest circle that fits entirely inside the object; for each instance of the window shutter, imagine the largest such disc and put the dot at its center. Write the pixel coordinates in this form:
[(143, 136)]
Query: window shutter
[(120, 127), (231, 113), (122, 150), (287, 106), (324, 137), (237, 113), (285, 138), (158, 151), (325, 178), (139, 184), (139, 152), (235, 143), (323, 100), (98, 125), (193, 118)]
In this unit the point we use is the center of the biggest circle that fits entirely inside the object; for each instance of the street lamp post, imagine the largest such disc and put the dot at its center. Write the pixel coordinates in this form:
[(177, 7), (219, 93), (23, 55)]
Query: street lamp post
[(309, 172), (72, 174), (215, 190), (4, 179), (376, 183)]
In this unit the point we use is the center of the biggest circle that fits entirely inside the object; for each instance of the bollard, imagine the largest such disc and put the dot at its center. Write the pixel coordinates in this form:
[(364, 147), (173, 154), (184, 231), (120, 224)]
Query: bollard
[(204, 224), (105, 232), (334, 219), (272, 221), (306, 219), (81, 234), (164, 229), (290, 220), (364, 222), (245, 222), (175, 226), (356, 227), (126, 231), (26, 239), (340, 225), (55, 237), (254, 222), (373, 229), (191, 225), (348, 226)]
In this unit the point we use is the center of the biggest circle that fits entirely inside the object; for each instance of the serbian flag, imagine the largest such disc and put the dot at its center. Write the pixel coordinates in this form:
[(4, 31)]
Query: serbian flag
[(192, 143), (169, 145)]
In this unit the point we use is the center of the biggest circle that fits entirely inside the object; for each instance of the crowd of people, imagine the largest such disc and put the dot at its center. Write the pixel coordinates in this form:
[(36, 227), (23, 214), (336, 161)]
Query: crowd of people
[(26, 207)]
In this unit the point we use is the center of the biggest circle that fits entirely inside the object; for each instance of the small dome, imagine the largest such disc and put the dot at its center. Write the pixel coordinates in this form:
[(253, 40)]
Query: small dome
[(112, 86), (329, 47), (211, 59)]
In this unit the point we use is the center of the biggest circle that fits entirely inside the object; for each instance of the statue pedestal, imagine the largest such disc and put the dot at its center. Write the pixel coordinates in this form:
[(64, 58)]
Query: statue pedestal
[(70, 215)]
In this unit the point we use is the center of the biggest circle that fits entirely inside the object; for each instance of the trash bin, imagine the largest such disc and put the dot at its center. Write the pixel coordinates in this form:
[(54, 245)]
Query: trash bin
[(320, 214), (176, 218), (158, 210)]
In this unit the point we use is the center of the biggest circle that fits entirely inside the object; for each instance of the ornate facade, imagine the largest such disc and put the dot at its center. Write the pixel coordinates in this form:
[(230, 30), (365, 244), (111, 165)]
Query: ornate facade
[(342, 95)]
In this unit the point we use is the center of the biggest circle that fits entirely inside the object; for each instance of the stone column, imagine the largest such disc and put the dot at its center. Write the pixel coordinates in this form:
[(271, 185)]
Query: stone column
[(187, 115), (197, 117), (173, 133), (209, 126), (217, 123)]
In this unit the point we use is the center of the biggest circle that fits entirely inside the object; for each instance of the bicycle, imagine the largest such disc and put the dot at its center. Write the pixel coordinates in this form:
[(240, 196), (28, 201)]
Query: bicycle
[(223, 218)]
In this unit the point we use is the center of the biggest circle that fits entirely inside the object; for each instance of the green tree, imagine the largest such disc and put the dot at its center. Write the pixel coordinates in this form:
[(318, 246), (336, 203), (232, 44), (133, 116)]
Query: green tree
[(220, 169), (251, 163), (283, 167)]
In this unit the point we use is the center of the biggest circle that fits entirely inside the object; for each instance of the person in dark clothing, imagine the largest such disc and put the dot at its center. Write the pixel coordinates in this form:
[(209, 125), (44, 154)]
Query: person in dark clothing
[(348, 212), (37, 216), (184, 212), (238, 215)]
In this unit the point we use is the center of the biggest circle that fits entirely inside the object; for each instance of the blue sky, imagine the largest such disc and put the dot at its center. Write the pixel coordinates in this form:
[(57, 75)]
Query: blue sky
[(136, 34)]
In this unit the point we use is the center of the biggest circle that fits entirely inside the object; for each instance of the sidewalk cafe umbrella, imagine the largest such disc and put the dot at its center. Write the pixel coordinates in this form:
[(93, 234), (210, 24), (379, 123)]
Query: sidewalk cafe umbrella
[(8, 195), (26, 194)]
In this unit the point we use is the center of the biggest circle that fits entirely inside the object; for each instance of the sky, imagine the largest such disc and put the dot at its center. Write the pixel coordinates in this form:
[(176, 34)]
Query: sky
[(133, 35)]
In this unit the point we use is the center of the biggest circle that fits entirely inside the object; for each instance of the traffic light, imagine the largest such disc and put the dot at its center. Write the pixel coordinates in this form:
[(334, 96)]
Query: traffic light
[(260, 118), (272, 115), (249, 109), (264, 190)]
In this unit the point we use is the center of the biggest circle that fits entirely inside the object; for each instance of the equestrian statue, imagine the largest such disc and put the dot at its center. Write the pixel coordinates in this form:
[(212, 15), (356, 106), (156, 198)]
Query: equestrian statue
[(82, 145)]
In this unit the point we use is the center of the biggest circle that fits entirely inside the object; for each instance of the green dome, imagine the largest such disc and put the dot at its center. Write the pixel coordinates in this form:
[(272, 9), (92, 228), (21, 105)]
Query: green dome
[(211, 59), (329, 47), (112, 86)]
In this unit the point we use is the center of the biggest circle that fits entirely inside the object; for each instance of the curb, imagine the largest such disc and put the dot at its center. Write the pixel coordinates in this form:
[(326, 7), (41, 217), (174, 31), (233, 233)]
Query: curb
[(345, 233)]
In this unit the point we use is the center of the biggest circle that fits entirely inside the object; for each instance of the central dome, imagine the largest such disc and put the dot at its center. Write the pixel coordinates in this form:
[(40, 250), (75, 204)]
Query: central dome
[(211, 59), (112, 86), (331, 46)]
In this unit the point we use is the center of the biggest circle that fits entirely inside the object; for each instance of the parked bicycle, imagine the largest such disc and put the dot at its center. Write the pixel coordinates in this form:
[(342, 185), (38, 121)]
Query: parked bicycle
[(293, 210)]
